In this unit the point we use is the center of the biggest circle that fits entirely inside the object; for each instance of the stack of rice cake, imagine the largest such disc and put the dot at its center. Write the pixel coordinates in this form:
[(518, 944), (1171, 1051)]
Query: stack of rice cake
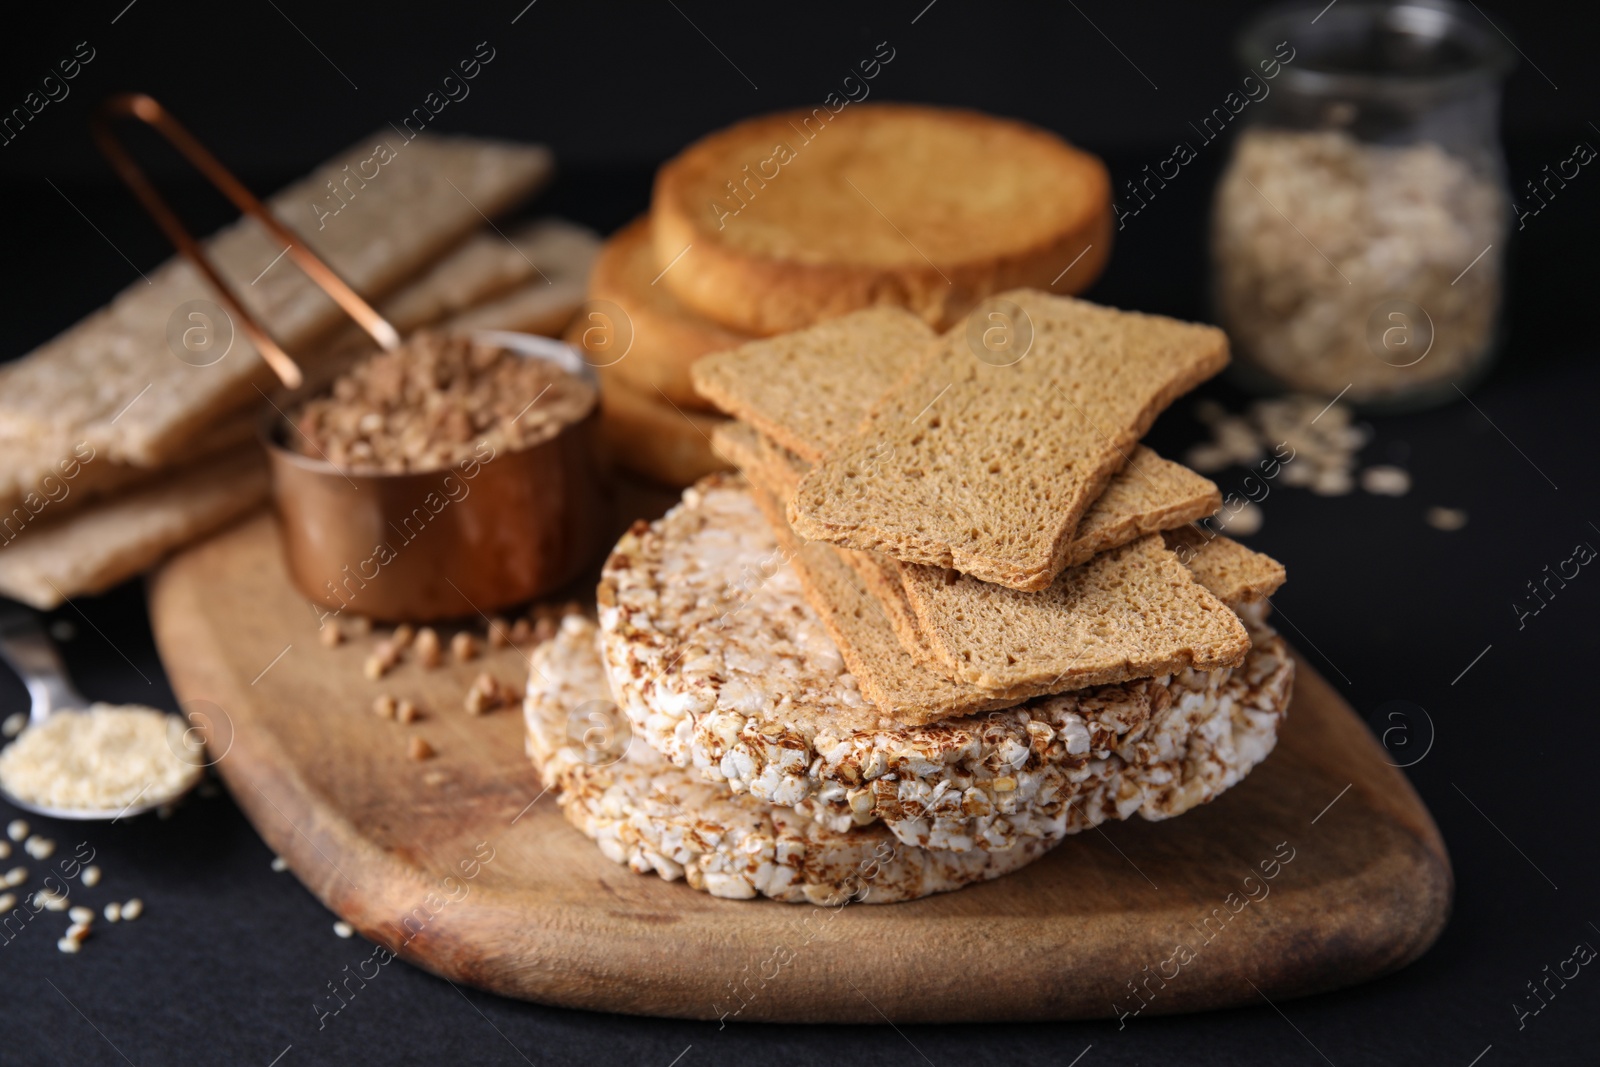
[(853, 716)]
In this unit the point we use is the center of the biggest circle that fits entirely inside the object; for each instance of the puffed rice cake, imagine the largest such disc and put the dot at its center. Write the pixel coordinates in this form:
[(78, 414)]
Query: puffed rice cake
[(722, 666), (651, 816)]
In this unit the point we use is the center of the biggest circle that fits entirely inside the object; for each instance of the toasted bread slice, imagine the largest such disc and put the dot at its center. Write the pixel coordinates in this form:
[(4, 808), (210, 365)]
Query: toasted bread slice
[(650, 437), (802, 216), (810, 389), (987, 467), (664, 337)]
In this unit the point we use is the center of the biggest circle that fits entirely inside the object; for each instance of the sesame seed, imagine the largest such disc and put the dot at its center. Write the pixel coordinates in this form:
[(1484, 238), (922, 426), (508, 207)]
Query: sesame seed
[(16, 876), (7, 901), (5, 850), (67, 944), (343, 929), (81, 915), (113, 912), (78, 931), (133, 909), (91, 876), (279, 864), (38, 847), (17, 829)]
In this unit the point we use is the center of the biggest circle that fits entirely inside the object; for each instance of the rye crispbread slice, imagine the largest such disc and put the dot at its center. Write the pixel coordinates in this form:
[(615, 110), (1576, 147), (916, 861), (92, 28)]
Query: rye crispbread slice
[(1233, 573), (111, 540), (944, 621), (111, 379), (810, 390), (988, 469), (1225, 566), (1133, 612)]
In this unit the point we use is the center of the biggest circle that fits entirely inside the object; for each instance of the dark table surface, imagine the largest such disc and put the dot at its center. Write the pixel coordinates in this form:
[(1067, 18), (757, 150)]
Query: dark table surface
[(1496, 724)]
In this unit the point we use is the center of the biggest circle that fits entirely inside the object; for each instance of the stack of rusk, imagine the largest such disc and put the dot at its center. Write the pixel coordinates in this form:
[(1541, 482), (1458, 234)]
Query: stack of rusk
[(786, 220), (949, 611), (133, 432)]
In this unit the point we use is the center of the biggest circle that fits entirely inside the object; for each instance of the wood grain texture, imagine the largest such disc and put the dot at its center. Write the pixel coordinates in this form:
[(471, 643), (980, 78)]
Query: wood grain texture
[(330, 788)]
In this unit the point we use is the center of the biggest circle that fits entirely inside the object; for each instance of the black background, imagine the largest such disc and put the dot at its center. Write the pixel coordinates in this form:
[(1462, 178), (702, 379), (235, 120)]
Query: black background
[(226, 963)]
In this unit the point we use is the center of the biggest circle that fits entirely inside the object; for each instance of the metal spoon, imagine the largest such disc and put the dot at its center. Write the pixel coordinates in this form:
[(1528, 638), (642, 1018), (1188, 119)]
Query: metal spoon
[(27, 650)]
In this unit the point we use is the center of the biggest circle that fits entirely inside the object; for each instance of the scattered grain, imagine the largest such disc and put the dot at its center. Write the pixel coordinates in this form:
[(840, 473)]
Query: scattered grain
[(419, 749), (17, 829), (378, 664), (5, 850), (79, 931), (385, 706), (1385, 480), (521, 632), (81, 915), (90, 876), (406, 712), (113, 912), (499, 633), (464, 646), (132, 909), (343, 929), (15, 877), (545, 629), (1448, 519), (14, 724), (330, 635), (7, 901), (67, 944), (427, 647), (40, 848), (402, 636), (360, 625), (279, 864)]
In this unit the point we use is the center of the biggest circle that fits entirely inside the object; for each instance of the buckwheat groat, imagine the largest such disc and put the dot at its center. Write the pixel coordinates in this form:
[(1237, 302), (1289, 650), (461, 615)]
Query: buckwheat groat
[(652, 816), (721, 664)]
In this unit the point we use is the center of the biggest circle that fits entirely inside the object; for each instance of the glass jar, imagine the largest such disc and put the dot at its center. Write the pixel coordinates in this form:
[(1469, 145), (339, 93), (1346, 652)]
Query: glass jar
[(1359, 228)]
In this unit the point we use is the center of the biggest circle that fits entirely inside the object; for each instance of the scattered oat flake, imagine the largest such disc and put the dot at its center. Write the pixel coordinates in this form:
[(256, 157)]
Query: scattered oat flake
[(1446, 518), (1385, 480)]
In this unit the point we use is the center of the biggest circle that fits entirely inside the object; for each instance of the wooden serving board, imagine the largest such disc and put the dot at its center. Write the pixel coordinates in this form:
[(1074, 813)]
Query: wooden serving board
[(460, 862)]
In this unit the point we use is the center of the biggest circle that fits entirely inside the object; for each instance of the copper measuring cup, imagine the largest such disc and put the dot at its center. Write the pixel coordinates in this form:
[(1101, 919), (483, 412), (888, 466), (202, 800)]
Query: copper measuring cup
[(414, 546)]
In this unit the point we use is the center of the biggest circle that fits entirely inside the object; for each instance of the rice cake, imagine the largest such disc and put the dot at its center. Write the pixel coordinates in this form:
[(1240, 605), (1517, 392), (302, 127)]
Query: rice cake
[(651, 816), (793, 218), (721, 665), (988, 468)]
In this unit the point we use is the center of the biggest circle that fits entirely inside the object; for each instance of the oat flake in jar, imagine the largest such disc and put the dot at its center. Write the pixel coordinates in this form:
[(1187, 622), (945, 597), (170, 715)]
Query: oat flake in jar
[(1359, 229)]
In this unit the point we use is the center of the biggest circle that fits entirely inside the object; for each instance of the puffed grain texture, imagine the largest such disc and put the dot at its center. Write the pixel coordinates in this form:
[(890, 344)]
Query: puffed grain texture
[(651, 816)]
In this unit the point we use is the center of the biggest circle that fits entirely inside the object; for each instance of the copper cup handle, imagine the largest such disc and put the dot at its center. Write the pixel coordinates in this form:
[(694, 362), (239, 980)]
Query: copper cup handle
[(149, 111)]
